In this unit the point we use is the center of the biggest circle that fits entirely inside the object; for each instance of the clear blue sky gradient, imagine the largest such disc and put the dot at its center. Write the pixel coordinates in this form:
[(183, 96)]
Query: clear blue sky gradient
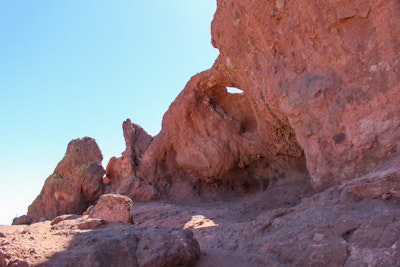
[(70, 69)]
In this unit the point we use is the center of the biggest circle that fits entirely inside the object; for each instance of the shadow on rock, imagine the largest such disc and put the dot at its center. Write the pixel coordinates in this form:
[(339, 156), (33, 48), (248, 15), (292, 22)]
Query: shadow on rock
[(121, 244)]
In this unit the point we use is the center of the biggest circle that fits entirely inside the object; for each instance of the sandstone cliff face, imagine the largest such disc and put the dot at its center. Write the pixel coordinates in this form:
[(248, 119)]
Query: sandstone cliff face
[(75, 183), (320, 83)]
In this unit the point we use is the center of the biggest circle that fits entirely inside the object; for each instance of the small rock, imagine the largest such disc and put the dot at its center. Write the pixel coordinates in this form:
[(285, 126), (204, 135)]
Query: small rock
[(91, 224), (88, 210), (280, 4), (21, 220), (19, 263), (2, 234), (386, 196), (318, 237), (61, 218), (106, 180)]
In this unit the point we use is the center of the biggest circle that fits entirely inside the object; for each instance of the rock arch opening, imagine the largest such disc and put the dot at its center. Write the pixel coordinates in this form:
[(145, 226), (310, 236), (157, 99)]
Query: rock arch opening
[(234, 90)]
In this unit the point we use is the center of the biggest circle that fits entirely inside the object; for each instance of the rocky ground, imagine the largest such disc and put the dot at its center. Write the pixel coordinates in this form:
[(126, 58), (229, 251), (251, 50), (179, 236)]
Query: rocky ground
[(81, 241), (355, 224), (332, 228)]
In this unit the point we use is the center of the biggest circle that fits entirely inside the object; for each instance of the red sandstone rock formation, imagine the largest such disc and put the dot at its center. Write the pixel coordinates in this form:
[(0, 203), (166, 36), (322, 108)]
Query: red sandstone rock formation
[(211, 141), (121, 175), (329, 71), (320, 88), (319, 108), (75, 183)]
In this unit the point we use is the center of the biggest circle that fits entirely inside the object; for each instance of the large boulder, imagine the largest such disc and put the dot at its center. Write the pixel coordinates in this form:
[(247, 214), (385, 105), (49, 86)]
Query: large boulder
[(113, 208), (75, 183)]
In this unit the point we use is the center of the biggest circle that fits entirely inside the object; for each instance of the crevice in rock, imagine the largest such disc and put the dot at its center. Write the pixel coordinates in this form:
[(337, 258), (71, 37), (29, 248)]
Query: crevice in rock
[(348, 235)]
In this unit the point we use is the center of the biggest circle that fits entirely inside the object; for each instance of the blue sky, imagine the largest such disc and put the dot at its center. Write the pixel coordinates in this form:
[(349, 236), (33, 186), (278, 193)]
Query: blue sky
[(70, 69)]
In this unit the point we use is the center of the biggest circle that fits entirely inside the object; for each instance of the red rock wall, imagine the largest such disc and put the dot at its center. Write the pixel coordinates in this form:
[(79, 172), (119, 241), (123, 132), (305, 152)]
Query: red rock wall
[(321, 86)]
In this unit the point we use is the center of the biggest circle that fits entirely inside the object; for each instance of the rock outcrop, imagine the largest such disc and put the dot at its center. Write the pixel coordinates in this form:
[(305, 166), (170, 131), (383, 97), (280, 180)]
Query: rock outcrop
[(21, 220), (121, 173), (67, 242), (328, 71), (320, 83), (75, 183), (309, 85)]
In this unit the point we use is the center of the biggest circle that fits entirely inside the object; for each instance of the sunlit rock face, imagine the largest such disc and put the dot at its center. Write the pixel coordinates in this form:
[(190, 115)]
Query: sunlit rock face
[(320, 84), (215, 141), (75, 183), (121, 172), (316, 107), (317, 104), (328, 71)]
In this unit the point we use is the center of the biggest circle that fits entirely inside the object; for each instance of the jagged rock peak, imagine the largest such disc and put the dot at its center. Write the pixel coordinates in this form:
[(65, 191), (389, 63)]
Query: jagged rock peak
[(75, 183)]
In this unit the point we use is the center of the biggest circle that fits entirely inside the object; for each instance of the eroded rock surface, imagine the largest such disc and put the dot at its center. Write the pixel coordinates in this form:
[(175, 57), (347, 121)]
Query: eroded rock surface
[(318, 110), (113, 208), (81, 241), (341, 226), (213, 142), (75, 183), (328, 71), (121, 173), (319, 87), (320, 83)]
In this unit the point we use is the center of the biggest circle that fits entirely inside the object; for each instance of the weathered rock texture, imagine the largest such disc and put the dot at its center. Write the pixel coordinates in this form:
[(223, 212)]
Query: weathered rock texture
[(354, 224), (319, 111), (21, 220), (320, 83), (121, 174), (81, 241), (113, 208), (75, 183)]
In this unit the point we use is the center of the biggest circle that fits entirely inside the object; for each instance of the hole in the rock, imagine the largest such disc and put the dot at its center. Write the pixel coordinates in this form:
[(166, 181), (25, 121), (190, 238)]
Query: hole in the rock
[(348, 235), (234, 90)]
